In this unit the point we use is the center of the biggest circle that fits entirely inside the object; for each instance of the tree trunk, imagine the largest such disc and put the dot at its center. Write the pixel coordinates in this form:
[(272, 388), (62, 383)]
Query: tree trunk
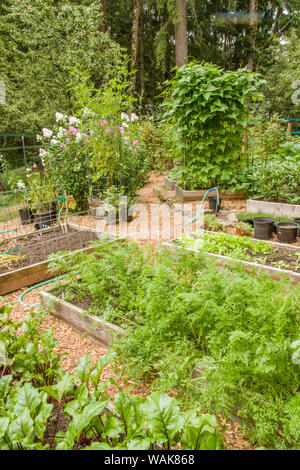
[(181, 48), (253, 30), (142, 66), (135, 41)]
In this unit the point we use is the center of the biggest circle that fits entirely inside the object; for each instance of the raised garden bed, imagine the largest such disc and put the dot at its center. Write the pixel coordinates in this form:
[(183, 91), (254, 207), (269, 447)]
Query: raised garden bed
[(276, 259), (276, 208), (31, 264), (185, 196), (93, 327), (171, 184), (99, 331)]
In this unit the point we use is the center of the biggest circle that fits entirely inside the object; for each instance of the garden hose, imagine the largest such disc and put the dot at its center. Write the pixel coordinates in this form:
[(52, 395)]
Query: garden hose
[(15, 249), (193, 219), (9, 231), (25, 304), (10, 251)]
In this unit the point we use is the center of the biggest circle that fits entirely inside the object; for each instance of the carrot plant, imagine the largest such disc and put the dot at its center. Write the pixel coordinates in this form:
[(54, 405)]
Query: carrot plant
[(181, 310)]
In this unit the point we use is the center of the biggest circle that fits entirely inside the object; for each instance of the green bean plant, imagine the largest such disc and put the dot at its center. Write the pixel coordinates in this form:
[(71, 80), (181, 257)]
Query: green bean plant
[(208, 109)]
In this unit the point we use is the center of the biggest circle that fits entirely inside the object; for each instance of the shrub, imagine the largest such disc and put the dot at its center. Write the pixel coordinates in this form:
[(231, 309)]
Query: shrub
[(208, 110), (278, 178)]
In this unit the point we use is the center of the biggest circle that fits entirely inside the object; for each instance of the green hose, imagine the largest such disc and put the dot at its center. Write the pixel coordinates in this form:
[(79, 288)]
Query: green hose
[(9, 231), (25, 304), (10, 251)]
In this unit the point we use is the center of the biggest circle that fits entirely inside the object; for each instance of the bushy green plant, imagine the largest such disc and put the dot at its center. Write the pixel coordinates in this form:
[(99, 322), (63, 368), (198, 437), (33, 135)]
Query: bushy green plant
[(158, 139), (65, 154), (265, 135), (116, 155), (278, 177), (208, 110), (40, 193), (211, 223), (32, 410), (39, 43), (181, 310), (244, 229)]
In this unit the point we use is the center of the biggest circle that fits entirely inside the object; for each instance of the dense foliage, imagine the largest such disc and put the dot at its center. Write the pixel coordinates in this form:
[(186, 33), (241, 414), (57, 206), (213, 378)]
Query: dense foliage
[(282, 87), (40, 40), (277, 177), (43, 407), (180, 311), (39, 43), (207, 108), (117, 155)]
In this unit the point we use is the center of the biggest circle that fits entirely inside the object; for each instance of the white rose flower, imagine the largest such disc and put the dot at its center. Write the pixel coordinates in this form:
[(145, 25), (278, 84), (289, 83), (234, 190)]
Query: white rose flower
[(47, 133), (39, 138), (60, 117), (54, 141), (124, 124), (61, 132), (124, 117), (43, 153), (74, 120), (134, 117), (78, 136)]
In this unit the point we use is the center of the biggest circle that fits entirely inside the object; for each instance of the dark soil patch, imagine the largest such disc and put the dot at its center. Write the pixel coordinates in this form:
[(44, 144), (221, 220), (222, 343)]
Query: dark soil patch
[(82, 302), (38, 246), (280, 258)]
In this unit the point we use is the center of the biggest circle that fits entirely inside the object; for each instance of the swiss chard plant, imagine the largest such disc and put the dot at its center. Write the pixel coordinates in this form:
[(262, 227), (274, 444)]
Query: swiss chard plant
[(71, 412)]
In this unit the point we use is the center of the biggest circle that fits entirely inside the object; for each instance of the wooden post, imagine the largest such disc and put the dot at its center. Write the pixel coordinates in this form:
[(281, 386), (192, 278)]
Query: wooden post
[(289, 128)]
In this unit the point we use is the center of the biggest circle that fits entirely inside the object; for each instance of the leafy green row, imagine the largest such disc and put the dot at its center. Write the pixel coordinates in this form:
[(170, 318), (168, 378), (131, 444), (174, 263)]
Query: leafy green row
[(227, 245), (35, 400)]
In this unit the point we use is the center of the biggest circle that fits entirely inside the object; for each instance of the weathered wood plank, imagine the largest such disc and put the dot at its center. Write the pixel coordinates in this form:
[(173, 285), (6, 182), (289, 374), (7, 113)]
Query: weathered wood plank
[(93, 327), (276, 273), (29, 275)]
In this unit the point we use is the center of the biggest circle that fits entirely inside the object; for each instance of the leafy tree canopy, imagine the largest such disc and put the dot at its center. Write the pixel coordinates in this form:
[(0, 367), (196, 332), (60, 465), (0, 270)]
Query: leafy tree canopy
[(40, 42)]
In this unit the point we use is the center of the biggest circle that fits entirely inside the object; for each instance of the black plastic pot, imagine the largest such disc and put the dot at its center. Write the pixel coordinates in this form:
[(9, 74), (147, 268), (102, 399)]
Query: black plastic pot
[(263, 228), (286, 232), (45, 218), (212, 202), (26, 216), (297, 221)]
